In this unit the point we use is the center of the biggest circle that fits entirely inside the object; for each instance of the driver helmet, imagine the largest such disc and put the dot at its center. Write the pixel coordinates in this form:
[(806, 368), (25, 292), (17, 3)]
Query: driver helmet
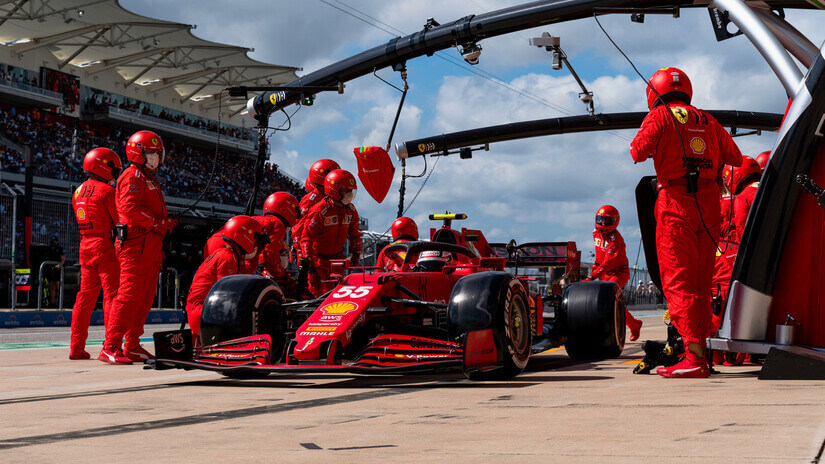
[(607, 219), (433, 261)]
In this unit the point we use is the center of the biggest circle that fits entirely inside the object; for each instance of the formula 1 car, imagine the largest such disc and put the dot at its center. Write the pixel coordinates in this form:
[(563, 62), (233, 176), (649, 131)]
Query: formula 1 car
[(450, 306)]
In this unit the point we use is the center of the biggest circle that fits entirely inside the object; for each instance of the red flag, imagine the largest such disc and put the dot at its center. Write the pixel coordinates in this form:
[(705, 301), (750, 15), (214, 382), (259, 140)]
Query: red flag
[(375, 170)]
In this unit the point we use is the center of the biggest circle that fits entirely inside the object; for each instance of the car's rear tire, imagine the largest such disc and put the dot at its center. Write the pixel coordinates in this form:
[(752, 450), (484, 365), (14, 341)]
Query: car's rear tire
[(594, 320), (497, 301), (242, 305)]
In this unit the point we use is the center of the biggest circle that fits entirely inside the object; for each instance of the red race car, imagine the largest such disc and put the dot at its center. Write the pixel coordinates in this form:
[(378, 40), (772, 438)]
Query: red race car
[(451, 306)]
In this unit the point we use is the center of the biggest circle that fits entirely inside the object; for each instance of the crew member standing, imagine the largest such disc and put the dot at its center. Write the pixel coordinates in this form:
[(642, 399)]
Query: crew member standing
[(315, 193), (688, 147), (744, 181), (611, 258), (328, 225), (143, 222), (243, 238), (94, 207), (404, 230)]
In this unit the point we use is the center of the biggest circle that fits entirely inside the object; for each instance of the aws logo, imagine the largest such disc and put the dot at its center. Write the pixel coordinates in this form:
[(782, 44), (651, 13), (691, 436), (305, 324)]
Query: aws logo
[(339, 308), (697, 145), (680, 113)]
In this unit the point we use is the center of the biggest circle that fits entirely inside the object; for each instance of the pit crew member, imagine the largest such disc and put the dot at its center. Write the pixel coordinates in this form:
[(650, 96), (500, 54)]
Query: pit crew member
[(315, 193), (403, 230), (143, 222), (328, 225), (94, 207), (688, 147), (611, 258)]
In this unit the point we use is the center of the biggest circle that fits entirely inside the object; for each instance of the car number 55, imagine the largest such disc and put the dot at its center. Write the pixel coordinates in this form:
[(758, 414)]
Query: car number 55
[(352, 291)]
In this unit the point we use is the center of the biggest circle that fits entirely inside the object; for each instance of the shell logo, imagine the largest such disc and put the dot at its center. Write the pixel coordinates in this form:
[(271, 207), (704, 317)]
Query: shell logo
[(81, 214), (697, 145), (339, 308)]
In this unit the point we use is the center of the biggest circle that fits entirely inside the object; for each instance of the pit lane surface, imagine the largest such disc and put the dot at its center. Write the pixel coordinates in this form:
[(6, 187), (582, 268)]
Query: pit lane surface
[(559, 410)]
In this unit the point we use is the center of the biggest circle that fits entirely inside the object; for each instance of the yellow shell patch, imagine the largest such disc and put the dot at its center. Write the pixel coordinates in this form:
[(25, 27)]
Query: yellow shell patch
[(339, 308)]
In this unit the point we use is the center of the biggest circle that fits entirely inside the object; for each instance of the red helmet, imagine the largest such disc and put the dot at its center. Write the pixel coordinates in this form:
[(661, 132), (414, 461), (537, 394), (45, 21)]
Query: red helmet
[(284, 206), (102, 162), (607, 219), (670, 84), (736, 178), (404, 227), (318, 172), (245, 232), (338, 183), (141, 141), (762, 159)]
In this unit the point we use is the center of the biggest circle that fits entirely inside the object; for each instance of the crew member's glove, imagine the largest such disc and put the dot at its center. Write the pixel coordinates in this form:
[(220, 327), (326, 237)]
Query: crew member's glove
[(353, 260), (166, 224)]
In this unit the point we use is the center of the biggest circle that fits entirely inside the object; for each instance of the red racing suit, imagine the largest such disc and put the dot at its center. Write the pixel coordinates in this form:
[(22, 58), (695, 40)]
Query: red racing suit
[(141, 206), (611, 259), (216, 266), (392, 263), (270, 256), (307, 202), (741, 206), (326, 228), (94, 207), (685, 234)]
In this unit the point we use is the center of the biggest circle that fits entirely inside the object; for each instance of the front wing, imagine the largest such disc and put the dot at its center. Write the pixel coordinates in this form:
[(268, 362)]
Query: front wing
[(387, 354)]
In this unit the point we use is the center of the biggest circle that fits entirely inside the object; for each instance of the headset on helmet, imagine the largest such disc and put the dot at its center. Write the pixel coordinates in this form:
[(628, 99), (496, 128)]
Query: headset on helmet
[(102, 162), (318, 172), (607, 219), (404, 227), (245, 232), (284, 206), (142, 141), (338, 183), (671, 84), (737, 178), (762, 159)]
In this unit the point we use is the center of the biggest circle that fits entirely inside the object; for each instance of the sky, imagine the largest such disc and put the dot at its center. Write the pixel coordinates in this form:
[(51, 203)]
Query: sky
[(540, 189)]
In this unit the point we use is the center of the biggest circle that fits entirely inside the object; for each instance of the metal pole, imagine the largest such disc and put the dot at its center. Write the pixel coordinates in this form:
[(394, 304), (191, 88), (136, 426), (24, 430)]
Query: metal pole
[(40, 283), (160, 280), (764, 41), (62, 274), (794, 41), (13, 248)]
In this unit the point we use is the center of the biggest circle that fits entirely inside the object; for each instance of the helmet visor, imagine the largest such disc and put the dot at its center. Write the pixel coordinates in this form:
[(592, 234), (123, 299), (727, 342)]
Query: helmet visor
[(605, 221)]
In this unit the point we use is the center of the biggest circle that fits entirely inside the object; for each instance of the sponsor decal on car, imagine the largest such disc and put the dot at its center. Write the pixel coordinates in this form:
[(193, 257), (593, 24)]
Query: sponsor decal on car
[(343, 307)]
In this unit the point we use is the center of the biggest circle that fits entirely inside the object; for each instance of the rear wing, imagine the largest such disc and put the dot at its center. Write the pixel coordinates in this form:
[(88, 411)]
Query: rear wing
[(539, 254)]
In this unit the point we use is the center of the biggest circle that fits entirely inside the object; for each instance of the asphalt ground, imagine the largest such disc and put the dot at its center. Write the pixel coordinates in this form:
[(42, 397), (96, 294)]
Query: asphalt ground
[(559, 410)]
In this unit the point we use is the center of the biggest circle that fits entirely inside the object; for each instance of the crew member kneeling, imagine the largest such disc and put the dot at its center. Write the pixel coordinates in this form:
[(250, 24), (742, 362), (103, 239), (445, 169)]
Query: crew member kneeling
[(243, 237)]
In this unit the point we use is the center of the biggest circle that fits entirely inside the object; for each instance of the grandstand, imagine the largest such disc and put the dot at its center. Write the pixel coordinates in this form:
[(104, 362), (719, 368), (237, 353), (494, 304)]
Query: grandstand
[(79, 74)]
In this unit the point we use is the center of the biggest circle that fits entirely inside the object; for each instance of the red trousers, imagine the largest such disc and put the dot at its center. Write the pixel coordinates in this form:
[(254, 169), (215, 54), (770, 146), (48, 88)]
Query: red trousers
[(98, 266), (140, 261), (685, 246)]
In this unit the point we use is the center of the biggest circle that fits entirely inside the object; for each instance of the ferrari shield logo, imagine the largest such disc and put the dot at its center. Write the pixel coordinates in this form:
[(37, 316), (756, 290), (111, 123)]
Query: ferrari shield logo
[(680, 113), (421, 147), (339, 308)]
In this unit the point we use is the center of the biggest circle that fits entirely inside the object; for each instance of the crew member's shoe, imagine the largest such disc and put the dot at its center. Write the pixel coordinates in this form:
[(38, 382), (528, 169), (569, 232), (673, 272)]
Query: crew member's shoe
[(690, 367), (113, 356), (137, 354), (635, 326), (82, 354)]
